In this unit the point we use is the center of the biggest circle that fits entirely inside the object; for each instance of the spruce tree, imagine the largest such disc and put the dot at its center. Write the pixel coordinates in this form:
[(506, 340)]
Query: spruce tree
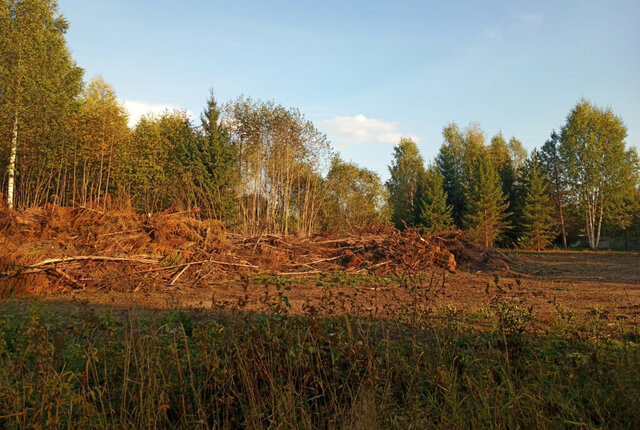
[(450, 165), (486, 203), (536, 219), (501, 157), (555, 172), (435, 213), (209, 163), (407, 172)]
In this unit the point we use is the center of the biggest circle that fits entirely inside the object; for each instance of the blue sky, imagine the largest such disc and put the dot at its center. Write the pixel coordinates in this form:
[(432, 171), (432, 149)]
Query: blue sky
[(368, 72)]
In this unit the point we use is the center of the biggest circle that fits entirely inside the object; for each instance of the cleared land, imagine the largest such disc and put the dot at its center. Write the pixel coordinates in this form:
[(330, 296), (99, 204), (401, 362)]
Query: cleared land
[(580, 281), (117, 257), (112, 319)]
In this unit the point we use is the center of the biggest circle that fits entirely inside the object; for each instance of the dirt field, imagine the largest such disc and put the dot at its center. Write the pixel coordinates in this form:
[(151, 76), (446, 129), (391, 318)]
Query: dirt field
[(580, 281)]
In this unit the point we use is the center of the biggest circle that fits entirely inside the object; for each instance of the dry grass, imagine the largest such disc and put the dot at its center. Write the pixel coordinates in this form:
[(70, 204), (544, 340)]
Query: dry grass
[(73, 365)]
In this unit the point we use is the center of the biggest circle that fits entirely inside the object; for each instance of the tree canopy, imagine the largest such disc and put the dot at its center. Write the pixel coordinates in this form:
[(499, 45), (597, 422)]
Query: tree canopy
[(261, 167), (407, 172), (600, 168), (39, 85)]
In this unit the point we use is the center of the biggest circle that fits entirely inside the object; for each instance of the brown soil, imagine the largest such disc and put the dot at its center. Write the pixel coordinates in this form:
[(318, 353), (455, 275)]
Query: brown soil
[(463, 290), (109, 256)]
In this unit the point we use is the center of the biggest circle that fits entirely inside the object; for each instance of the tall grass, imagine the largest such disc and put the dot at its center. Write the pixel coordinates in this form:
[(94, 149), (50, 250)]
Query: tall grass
[(76, 366)]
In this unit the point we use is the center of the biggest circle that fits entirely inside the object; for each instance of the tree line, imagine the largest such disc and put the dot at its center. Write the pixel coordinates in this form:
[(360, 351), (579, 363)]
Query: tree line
[(583, 181), (261, 167)]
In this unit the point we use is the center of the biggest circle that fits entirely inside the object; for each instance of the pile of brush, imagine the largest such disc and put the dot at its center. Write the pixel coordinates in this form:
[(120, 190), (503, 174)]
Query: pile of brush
[(50, 247), (380, 250)]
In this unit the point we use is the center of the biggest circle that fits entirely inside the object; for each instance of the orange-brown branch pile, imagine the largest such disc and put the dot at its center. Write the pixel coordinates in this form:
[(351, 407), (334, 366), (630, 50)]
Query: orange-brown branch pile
[(50, 247)]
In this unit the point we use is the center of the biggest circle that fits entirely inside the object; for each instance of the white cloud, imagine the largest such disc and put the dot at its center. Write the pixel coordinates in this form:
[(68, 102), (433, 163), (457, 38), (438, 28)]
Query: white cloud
[(532, 19), (137, 109), (345, 131), (492, 34)]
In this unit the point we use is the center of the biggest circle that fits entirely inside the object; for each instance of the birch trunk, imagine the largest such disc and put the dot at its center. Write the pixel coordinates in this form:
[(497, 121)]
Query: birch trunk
[(599, 227), (564, 232), (11, 171)]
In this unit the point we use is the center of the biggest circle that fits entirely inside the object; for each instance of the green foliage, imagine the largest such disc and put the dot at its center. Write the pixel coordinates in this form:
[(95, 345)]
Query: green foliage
[(457, 161), (213, 162), (260, 167), (539, 227), (435, 213), (486, 203), (39, 83), (178, 319), (281, 160), (624, 221), (100, 134), (501, 156), (149, 162), (517, 153), (407, 172), (600, 167), (449, 162), (556, 176), (355, 197), (202, 164)]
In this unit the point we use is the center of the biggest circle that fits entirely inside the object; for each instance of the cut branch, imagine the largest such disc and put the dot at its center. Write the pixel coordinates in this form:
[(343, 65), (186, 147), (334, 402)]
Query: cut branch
[(45, 264)]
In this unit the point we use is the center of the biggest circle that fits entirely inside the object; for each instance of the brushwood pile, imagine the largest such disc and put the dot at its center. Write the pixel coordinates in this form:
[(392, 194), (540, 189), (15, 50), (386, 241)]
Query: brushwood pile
[(52, 247)]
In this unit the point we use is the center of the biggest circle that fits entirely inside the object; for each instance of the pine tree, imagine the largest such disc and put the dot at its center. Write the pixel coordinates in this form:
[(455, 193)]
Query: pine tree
[(486, 203), (435, 213), (536, 219)]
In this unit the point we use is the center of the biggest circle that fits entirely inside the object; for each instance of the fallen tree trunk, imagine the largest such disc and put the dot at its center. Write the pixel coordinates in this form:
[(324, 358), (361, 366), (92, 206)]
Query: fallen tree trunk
[(44, 265)]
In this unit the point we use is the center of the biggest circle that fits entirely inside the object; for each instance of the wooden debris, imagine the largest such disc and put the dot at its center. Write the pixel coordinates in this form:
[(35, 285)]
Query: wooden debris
[(98, 249)]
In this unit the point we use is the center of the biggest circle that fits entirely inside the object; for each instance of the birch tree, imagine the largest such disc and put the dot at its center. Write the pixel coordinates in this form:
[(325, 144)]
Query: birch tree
[(153, 173), (282, 158), (599, 165), (356, 197), (101, 131), (38, 85)]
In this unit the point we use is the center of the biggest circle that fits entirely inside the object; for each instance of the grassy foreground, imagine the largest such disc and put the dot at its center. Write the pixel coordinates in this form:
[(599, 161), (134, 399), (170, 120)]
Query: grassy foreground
[(77, 366)]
